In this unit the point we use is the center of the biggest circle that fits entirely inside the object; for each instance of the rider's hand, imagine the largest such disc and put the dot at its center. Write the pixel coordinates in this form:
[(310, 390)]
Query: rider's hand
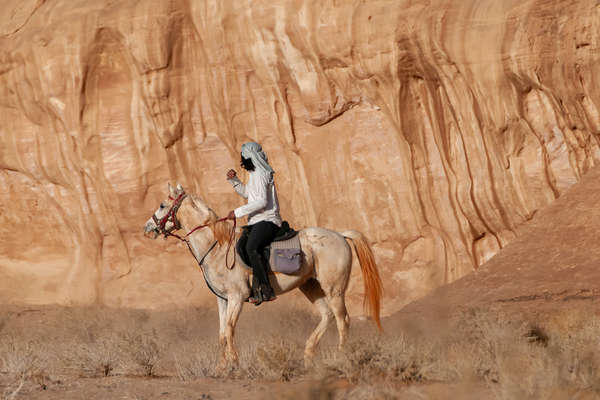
[(231, 215), (231, 174)]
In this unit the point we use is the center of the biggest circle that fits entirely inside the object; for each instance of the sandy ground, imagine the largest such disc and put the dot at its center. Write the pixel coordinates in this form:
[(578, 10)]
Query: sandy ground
[(136, 388), (213, 389)]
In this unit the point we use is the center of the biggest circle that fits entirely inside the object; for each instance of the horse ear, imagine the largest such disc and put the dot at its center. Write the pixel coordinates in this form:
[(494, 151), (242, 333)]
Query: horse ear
[(179, 188), (171, 190)]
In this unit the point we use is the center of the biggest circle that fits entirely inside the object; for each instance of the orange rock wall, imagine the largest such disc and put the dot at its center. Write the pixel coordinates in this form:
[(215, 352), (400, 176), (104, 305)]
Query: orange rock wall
[(435, 127)]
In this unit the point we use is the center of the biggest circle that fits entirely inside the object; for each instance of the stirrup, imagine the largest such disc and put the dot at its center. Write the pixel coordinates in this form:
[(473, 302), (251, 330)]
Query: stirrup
[(271, 298), (255, 300), (257, 297), (268, 294)]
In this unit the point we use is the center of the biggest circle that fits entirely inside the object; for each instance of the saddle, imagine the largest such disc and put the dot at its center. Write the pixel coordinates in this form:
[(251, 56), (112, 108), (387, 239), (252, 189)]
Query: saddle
[(283, 255)]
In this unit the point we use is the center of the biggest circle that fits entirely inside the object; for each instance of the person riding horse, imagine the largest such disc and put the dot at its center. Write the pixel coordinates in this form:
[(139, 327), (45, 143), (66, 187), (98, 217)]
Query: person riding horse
[(262, 210)]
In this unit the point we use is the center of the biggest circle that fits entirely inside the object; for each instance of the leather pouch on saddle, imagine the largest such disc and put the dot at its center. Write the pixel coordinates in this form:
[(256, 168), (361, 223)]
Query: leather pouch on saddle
[(283, 255), (286, 256)]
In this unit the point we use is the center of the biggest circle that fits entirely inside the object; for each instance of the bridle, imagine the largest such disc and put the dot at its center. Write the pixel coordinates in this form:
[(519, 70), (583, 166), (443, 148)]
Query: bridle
[(171, 216)]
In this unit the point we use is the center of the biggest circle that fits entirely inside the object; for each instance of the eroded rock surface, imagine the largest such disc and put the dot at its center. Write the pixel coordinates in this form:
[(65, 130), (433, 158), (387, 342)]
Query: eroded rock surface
[(434, 127), (551, 269)]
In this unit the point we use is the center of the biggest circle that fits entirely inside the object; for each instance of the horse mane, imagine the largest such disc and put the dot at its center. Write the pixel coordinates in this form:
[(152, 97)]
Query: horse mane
[(220, 229)]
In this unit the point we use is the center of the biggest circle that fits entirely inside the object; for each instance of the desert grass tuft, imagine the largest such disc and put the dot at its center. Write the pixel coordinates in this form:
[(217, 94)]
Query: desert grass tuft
[(142, 351), (195, 359), (271, 357)]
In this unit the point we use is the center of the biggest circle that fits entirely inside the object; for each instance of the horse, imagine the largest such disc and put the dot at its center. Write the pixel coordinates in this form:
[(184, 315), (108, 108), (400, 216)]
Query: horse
[(323, 276)]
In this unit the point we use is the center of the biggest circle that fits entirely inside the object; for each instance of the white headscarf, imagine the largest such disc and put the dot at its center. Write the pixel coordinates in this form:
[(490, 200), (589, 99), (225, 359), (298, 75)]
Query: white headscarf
[(254, 152)]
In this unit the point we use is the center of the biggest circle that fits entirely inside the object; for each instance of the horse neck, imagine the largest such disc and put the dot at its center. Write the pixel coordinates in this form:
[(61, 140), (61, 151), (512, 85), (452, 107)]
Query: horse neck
[(202, 239), (188, 216)]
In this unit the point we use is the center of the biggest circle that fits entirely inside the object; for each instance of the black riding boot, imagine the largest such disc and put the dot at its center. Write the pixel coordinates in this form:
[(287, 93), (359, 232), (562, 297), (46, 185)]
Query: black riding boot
[(261, 290), (256, 298)]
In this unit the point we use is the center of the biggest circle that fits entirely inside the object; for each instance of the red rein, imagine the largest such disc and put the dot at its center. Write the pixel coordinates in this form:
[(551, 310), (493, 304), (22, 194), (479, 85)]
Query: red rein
[(172, 213)]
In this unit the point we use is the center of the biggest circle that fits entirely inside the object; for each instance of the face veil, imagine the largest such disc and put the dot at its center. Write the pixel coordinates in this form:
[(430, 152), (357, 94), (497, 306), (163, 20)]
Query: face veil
[(247, 163)]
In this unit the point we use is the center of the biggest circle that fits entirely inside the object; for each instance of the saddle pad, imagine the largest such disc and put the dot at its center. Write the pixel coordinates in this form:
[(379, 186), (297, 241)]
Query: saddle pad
[(286, 256)]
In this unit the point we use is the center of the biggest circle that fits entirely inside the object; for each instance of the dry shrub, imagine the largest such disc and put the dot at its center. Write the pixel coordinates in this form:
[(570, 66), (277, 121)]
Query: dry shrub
[(473, 347), (574, 346), (268, 358), (197, 359), (88, 342), (13, 389), (141, 353), (515, 358), (100, 358), (22, 361), (17, 358), (271, 358), (400, 359), (524, 372), (525, 360)]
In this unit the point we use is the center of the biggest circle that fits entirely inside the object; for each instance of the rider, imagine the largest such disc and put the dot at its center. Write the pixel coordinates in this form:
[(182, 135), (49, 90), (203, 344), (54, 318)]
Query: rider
[(263, 215)]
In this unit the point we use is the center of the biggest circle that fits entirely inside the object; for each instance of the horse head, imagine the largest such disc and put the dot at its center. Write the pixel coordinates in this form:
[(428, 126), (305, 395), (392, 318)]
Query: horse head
[(164, 220)]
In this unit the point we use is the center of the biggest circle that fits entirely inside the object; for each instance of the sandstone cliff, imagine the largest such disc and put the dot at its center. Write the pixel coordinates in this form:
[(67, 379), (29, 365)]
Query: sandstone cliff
[(436, 127), (549, 271)]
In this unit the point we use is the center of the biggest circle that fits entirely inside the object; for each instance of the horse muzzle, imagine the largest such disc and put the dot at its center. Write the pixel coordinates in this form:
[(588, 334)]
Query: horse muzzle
[(151, 230)]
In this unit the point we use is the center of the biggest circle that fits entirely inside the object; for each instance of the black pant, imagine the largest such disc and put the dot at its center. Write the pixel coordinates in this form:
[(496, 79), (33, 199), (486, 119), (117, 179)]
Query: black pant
[(260, 236)]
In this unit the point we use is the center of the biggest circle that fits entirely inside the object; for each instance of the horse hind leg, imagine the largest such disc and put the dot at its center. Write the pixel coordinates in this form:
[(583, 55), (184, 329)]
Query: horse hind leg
[(312, 290), (342, 319)]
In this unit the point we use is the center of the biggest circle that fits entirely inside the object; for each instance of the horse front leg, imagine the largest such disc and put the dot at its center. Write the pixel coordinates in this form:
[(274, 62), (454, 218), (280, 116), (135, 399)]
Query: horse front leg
[(234, 307), (222, 305)]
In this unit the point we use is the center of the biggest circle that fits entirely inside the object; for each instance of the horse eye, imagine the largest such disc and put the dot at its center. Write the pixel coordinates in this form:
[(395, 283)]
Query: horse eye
[(162, 206)]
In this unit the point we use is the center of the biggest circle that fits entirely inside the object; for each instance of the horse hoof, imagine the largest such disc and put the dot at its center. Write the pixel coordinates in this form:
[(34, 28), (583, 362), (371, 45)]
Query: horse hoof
[(225, 370), (220, 370)]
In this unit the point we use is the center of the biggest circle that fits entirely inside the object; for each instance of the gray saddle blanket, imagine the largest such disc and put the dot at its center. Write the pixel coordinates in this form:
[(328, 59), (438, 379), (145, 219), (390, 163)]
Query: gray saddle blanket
[(283, 255)]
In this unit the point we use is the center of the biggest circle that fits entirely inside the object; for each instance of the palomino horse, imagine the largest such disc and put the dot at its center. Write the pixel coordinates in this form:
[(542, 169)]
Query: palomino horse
[(323, 277)]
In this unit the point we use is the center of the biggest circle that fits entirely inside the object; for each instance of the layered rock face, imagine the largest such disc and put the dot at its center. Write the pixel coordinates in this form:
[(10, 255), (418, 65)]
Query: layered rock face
[(434, 127)]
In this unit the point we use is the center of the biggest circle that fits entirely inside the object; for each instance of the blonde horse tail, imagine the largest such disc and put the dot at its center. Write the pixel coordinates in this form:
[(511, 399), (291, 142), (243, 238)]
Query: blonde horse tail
[(372, 281)]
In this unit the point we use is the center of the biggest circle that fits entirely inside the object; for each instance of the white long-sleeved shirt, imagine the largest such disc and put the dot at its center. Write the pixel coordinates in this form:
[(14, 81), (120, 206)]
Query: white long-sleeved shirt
[(262, 198)]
